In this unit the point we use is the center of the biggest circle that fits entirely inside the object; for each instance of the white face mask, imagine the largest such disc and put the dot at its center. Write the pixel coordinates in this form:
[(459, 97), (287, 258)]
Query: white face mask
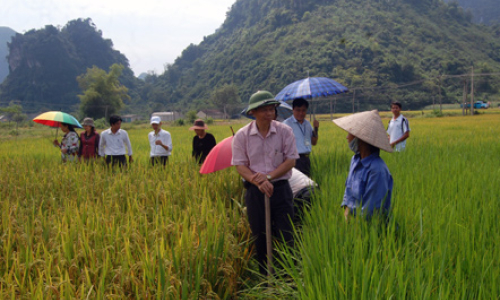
[(354, 145)]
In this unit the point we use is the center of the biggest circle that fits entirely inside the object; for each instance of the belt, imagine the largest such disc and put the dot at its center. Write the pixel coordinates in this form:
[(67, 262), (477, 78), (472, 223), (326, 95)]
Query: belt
[(304, 154)]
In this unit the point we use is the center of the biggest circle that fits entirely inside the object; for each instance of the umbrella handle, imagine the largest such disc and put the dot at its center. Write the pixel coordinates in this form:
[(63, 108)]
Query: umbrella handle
[(269, 242)]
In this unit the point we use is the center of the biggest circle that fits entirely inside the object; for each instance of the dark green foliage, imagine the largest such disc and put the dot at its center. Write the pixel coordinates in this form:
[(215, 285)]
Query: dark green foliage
[(103, 95), (374, 44), (44, 64)]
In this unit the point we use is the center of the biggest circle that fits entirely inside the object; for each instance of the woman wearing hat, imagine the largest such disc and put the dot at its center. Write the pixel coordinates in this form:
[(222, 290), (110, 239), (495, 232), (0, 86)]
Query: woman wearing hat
[(89, 141), (203, 141), (69, 142), (368, 187)]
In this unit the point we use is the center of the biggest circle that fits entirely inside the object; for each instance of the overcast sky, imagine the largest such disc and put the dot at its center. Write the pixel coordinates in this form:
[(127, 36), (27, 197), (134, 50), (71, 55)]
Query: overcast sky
[(150, 33)]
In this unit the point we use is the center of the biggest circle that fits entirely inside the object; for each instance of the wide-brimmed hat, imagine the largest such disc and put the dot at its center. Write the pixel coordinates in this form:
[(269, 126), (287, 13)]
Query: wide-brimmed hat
[(368, 127), (155, 120), (88, 121), (259, 99), (199, 124)]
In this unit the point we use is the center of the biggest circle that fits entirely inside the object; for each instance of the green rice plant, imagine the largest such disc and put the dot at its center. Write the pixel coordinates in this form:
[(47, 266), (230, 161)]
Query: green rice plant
[(442, 241)]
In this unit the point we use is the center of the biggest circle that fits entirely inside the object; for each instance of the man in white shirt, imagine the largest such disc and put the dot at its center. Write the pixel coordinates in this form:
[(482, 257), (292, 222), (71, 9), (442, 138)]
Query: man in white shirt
[(160, 142), (398, 129), (113, 143)]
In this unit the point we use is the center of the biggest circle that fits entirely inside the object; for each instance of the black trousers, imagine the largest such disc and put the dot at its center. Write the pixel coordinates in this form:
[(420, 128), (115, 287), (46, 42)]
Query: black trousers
[(303, 164), (121, 160), (281, 216), (159, 159)]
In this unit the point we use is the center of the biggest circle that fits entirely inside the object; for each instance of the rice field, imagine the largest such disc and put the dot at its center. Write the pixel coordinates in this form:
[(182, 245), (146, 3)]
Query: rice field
[(77, 231)]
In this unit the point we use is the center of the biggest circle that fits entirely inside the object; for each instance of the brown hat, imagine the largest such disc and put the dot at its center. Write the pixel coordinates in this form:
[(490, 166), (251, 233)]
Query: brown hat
[(199, 124), (368, 127)]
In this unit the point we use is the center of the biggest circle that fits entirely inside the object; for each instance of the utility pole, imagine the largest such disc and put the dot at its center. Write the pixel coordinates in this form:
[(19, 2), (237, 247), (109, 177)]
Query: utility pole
[(353, 99), (440, 104), (472, 92), (464, 102)]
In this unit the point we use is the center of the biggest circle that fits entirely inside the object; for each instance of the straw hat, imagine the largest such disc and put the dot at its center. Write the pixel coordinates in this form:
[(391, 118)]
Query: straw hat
[(88, 121), (259, 99), (368, 127), (199, 124)]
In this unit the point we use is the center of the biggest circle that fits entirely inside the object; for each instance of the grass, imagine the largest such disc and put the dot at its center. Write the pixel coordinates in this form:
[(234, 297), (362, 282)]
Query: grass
[(73, 231)]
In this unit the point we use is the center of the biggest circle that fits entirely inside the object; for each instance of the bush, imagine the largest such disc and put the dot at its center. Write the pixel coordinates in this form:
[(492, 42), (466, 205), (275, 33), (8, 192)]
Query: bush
[(101, 123), (179, 122), (210, 121)]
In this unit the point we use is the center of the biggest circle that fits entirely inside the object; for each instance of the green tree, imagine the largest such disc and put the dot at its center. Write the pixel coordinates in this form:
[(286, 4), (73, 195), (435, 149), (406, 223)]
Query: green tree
[(226, 97), (103, 95), (14, 113)]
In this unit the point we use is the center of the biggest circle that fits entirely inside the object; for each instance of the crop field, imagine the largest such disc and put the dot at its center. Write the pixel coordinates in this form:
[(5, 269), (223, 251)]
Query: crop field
[(78, 231)]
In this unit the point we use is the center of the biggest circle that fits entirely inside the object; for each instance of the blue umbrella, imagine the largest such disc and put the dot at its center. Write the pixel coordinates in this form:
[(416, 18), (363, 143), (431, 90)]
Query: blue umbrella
[(285, 111), (311, 87)]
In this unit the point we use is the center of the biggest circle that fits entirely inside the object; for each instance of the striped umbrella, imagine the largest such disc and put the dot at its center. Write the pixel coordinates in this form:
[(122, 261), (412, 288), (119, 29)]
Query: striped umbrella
[(311, 87), (54, 118)]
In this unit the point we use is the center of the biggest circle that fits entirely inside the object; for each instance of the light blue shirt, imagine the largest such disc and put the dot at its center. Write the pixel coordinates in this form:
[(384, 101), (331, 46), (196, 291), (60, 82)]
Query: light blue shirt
[(368, 185), (303, 134)]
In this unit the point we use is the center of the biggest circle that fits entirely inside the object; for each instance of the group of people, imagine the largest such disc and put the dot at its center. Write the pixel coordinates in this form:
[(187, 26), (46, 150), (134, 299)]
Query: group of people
[(113, 144), (267, 153), (273, 158)]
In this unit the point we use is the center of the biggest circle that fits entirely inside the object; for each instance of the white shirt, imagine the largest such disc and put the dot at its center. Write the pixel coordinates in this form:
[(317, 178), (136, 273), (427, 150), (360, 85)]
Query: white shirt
[(114, 143), (165, 138), (299, 180), (396, 130)]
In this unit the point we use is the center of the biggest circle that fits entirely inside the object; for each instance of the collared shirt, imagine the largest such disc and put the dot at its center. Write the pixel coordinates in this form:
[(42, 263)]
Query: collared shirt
[(264, 154), (368, 185), (396, 129), (114, 143), (165, 138), (303, 134)]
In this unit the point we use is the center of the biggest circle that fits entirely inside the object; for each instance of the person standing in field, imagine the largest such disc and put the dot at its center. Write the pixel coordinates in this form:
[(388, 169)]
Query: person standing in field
[(115, 143), (398, 129), (69, 143), (264, 154), (203, 141), (160, 142), (89, 141), (305, 136), (368, 187)]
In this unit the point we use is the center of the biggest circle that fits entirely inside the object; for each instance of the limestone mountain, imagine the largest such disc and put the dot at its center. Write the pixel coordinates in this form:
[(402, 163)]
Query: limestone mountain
[(5, 35), (360, 43), (44, 64)]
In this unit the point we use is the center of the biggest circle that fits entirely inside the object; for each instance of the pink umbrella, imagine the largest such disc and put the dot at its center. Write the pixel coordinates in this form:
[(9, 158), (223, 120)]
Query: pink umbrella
[(219, 157)]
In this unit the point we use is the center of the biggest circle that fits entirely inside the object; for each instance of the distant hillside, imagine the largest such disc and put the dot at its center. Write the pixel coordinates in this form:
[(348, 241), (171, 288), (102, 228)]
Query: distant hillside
[(360, 43), (483, 11), (5, 35), (44, 65)]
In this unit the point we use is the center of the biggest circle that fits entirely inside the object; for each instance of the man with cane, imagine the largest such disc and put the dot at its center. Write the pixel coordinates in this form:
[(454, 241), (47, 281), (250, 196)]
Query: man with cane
[(264, 153)]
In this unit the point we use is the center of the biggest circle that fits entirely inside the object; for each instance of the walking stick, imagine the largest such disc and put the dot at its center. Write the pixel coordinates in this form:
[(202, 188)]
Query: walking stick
[(269, 241)]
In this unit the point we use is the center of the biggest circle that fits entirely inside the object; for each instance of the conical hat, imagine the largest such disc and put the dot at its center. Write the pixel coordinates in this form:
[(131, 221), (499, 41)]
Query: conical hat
[(368, 127)]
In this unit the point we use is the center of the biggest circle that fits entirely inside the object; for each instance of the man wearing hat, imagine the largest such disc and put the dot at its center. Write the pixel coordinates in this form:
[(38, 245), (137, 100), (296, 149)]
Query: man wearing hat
[(160, 142), (264, 153), (368, 187), (203, 142)]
